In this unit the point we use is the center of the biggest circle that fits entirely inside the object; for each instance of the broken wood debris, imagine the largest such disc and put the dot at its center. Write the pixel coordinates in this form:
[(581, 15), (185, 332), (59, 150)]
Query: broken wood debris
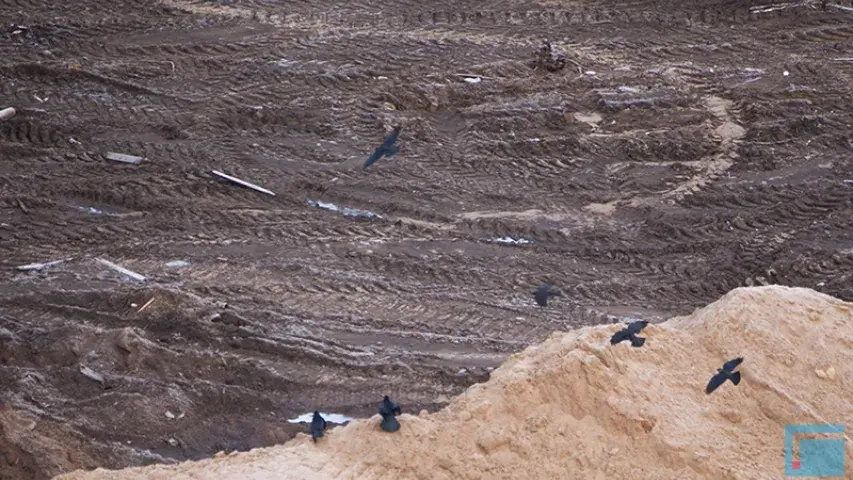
[(776, 7), (243, 183), (841, 7), (471, 75), (7, 113), (123, 158), (39, 266), (91, 374), (121, 269), (149, 302)]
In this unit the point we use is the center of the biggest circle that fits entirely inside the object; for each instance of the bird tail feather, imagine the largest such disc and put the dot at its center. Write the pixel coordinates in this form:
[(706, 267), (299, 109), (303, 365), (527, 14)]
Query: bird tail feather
[(736, 378), (637, 341)]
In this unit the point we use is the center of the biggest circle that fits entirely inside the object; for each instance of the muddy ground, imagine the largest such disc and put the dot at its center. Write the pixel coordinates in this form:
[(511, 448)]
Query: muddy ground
[(686, 148)]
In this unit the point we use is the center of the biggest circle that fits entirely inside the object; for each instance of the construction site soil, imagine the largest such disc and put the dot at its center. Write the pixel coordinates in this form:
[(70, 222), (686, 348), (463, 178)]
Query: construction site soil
[(685, 149)]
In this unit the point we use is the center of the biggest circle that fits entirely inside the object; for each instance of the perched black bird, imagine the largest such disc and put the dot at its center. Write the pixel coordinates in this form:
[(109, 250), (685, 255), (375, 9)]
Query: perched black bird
[(630, 333), (389, 423), (623, 335), (387, 148), (723, 374), (543, 292), (318, 424), (389, 409)]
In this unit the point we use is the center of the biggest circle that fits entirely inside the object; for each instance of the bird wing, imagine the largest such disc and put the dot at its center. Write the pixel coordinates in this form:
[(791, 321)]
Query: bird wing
[(391, 151), (715, 382), (736, 378), (732, 364), (637, 327), (620, 336), (391, 138), (377, 154)]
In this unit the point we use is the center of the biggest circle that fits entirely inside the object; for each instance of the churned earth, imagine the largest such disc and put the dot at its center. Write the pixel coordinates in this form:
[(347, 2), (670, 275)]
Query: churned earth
[(686, 149)]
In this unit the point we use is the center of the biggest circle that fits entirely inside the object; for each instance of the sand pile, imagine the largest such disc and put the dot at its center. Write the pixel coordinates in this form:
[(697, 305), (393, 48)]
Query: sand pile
[(575, 407)]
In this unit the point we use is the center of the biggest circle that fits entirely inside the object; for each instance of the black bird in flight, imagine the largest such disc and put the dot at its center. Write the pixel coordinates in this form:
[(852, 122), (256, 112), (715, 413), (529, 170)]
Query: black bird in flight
[(389, 409), (723, 374), (630, 333), (318, 424), (387, 148), (543, 292)]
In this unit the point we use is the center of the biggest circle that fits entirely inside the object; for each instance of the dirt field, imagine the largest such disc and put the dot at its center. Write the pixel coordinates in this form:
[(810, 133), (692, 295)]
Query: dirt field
[(686, 149)]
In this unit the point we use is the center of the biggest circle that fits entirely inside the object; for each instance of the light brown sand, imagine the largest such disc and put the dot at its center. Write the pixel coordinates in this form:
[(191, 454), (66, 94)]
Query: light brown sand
[(575, 407)]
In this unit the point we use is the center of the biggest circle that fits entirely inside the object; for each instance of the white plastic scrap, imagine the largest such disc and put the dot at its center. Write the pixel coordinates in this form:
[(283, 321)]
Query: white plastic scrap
[(329, 417)]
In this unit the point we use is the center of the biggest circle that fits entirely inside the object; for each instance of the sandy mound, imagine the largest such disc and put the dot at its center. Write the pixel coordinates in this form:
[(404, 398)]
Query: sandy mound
[(575, 407)]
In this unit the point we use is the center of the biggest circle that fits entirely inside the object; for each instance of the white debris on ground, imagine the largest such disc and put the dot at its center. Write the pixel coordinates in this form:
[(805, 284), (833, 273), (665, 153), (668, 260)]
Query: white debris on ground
[(351, 212), (510, 240), (329, 417)]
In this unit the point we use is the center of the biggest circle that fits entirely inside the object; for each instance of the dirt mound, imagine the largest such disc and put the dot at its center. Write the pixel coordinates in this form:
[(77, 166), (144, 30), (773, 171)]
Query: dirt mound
[(575, 407)]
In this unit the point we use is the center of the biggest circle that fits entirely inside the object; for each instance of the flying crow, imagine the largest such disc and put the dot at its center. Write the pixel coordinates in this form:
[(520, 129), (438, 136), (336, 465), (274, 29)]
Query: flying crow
[(389, 409), (318, 424), (630, 333), (723, 374), (543, 292), (387, 148)]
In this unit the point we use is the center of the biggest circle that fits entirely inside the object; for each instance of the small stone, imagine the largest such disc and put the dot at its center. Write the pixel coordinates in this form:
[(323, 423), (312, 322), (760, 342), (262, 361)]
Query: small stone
[(820, 373), (170, 415), (423, 413), (219, 454), (614, 451), (830, 373), (173, 442)]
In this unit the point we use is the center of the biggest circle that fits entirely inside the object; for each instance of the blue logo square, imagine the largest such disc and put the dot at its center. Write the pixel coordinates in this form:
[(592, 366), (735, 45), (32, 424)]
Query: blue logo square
[(823, 457)]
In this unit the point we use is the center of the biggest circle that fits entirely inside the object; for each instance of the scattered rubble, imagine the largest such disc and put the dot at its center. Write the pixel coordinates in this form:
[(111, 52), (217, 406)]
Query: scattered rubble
[(121, 269), (350, 212), (549, 58), (121, 157), (91, 374), (510, 240), (330, 417), (7, 113), (149, 302), (243, 183), (39, 266)]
